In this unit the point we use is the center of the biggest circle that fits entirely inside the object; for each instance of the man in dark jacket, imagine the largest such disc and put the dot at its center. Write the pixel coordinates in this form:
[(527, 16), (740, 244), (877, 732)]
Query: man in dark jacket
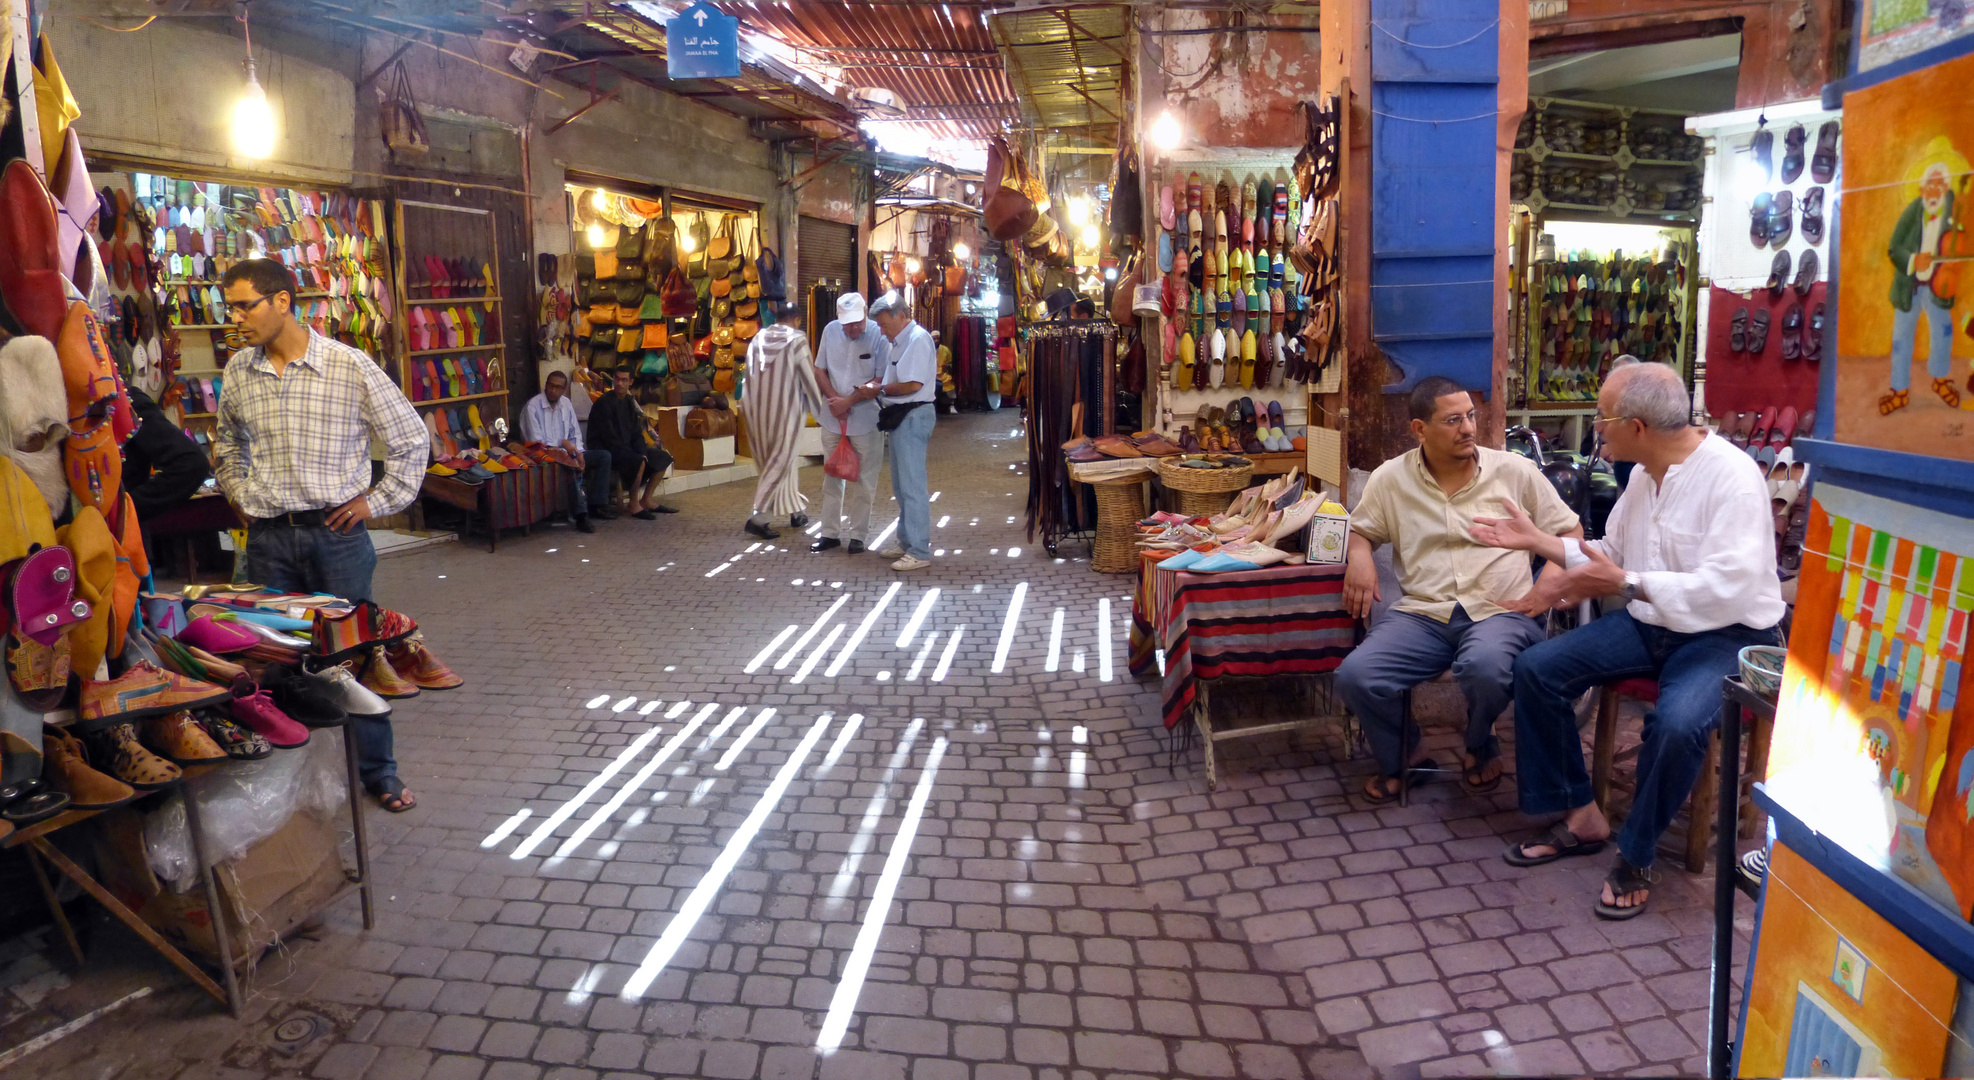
[(162, 467), (616, 424)]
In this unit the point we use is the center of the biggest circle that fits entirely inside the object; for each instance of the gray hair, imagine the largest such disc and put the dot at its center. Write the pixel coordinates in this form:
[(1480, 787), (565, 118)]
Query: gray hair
[(891, 303), (1653, 393)]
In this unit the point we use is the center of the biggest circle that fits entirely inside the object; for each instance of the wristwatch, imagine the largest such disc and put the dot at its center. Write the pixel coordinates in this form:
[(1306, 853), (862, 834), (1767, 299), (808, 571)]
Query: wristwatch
[(1631, 584)]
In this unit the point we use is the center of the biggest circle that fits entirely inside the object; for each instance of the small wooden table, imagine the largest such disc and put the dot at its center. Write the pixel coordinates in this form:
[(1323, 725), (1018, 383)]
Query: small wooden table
[(514, 499)]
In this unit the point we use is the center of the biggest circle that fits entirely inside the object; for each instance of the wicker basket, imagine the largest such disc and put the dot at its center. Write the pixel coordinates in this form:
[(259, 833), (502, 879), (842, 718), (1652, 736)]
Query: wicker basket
[(1120, 506), (1202, 492)]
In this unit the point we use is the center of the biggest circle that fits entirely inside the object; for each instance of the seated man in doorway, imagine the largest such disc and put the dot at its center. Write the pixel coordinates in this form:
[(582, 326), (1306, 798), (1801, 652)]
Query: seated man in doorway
[(1691, 548), (616, 427), (549, 418), (1420, 503)]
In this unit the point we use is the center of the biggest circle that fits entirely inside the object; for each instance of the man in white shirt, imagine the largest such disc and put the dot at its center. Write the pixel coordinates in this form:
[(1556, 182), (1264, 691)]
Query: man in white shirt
[(549, 418), (910, 379), (850, 357), (1691, 547)]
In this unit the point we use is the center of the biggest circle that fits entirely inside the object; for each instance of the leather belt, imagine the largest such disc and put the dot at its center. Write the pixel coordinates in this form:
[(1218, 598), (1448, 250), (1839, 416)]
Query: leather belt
[(294, 519)]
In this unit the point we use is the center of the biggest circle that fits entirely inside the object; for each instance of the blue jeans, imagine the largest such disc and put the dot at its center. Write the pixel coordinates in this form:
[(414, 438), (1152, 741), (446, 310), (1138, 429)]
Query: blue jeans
[(1549, 751), (1405, 650), (323, 560), (1939, 337), (908, 480), (589, 487)]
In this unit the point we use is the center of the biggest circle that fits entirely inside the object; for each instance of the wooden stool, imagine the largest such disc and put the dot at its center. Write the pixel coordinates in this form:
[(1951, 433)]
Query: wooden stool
[(1700, 803), (630, 493)]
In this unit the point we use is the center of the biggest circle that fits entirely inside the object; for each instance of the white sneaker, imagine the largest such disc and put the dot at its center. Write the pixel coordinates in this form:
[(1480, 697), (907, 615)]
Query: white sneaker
[(907, 562), (889, 551)]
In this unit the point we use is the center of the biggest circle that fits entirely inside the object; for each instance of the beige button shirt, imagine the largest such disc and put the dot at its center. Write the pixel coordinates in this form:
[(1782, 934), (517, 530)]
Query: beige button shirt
[(1433, 550)]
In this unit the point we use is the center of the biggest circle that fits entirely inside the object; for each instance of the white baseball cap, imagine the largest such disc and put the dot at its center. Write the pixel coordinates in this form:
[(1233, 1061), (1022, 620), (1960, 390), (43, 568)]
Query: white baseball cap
[(850, 307)]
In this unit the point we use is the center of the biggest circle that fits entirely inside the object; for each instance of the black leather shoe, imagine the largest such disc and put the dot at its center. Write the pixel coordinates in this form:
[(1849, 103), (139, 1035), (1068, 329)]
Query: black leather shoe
[(856, 547), (826, 543), (583, 525), (798, 520), (603, 513), (762, 531), (661, 508)]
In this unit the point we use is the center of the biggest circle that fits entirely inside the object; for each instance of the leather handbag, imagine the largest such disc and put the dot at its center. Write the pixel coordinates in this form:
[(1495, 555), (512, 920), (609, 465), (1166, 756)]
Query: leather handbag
[(654, 363), (722, 357), (774, 275), (708, 422), (722, 286), (602, 313), (721, 245), (747, 309), (745, 329), (955, 279), (679, 298), (1007, 211), (660, 235), (678, 350), (606, 264), (725, 381), (650, 308), (656, 335), (628, 316), (585, 266), (629, 294), (630, 339), (630, 244)]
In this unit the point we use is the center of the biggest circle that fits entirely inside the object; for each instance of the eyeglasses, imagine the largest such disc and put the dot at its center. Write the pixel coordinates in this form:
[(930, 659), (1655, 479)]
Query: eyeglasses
[(1602, 420), (241, 307), (1457, 419)]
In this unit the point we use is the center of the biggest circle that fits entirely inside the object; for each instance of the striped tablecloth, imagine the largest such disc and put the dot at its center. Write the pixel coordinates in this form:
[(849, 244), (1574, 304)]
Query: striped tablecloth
[(1284, 620)]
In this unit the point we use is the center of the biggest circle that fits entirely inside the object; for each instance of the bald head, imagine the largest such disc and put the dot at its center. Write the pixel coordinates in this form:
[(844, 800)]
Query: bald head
[(1653, 394)]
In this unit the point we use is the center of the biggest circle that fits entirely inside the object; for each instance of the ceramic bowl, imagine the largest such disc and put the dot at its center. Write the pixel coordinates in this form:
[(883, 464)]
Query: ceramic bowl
[(1761, 669)]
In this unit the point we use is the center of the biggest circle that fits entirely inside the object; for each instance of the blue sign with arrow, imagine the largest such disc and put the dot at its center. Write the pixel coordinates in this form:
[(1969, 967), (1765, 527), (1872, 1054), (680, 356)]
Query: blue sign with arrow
[(701, 43)]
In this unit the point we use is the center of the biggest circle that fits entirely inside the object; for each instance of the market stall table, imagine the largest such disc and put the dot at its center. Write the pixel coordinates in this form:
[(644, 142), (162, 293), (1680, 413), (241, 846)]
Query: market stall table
[(1282, 620), (514, 499), (36, 839)]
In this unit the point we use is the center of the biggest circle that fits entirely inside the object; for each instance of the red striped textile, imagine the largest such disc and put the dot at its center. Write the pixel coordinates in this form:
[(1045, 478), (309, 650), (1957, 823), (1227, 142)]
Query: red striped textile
[(1284, 620)]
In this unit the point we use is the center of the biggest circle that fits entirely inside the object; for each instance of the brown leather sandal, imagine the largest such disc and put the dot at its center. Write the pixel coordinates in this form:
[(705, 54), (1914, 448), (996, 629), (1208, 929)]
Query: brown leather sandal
[(1944, 388), (1893, 402)]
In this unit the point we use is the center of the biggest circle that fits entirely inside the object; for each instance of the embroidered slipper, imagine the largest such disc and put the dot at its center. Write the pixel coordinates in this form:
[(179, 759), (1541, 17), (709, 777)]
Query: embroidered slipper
[(1558, 836)]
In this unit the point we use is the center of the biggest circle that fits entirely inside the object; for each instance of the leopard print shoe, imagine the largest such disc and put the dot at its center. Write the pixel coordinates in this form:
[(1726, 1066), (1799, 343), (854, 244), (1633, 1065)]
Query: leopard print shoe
[(129, 762)]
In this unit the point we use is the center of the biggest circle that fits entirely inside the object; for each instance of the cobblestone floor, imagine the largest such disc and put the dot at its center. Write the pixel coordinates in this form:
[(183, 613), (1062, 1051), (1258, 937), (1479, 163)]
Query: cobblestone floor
[(712, 808)]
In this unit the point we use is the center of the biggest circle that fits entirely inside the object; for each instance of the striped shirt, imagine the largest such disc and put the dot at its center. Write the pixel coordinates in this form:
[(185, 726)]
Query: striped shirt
[(301, 440)]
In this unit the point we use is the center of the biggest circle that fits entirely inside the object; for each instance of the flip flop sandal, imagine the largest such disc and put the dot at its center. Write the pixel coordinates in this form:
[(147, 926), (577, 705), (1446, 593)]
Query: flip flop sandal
[(1763, 148), (1625, 879), (1758, 338), (1737, 336), (1414, 777), (1758, 219), (31, 802), (1778, 277), (1782, 220), (1823, 163), (1813, 215), (1481, 787), (1792, 329), (1558, 837), (1792, 153), (1893, 402), (392, 796)]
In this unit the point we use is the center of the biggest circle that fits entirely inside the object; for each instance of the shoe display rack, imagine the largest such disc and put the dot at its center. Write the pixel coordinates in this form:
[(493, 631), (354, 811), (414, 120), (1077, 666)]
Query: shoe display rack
[(196, 229), (1618, 161), (1589, 309), (455, 369)]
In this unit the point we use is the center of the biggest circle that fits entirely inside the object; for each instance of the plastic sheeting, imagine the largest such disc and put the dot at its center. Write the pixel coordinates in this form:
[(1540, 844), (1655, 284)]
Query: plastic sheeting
[(245, 803)]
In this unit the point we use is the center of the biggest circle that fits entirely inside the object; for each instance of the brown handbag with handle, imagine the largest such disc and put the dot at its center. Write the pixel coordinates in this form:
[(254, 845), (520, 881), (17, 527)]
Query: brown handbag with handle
[(706, 422), (721, 245), (1007, 211), (679, 298)]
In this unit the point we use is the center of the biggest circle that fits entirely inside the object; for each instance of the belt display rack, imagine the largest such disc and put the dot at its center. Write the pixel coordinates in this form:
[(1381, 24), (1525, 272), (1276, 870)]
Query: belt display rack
[(1071, 390)]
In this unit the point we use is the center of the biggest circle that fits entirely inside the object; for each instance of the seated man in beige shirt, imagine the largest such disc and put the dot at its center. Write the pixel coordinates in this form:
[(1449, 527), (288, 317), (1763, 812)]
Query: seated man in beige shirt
[(1423, 503)]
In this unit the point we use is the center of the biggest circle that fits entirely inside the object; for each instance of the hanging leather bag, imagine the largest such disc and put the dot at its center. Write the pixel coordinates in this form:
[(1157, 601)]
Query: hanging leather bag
[(679, 298), (1007, 211), (774, 275)]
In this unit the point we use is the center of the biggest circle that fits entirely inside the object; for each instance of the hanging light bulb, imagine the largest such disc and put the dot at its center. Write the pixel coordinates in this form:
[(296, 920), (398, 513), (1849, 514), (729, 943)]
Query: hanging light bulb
[(597, 237), (686, 242), (253, 119), (1079, 210), (1165, 133), (962, 252), (911, 266), (599, 199), (1090, 235)]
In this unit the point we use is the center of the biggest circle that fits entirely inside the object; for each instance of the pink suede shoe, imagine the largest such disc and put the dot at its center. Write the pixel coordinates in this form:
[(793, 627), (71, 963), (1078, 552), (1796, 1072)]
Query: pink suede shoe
[(217, 636), (258, 711)]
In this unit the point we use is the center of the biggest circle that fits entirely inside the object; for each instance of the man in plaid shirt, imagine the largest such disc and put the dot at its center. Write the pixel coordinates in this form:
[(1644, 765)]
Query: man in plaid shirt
[(297, 416)]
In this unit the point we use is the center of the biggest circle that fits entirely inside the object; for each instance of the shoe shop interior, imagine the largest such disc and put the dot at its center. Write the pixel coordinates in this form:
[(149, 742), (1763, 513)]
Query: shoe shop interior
[(425, 655)]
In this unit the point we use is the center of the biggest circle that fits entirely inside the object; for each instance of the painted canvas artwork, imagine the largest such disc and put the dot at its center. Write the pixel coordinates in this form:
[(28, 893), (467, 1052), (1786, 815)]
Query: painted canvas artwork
[(1890, 30), (1835, 990), (1905, 374), (1874, 731)]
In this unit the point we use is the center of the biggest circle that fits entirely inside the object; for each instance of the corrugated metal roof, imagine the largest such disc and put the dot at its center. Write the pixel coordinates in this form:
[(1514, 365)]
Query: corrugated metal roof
[(1068, 66)]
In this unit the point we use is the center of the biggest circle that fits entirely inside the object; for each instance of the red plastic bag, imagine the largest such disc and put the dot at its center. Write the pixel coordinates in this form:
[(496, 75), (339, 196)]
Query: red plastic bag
[(843, 462)]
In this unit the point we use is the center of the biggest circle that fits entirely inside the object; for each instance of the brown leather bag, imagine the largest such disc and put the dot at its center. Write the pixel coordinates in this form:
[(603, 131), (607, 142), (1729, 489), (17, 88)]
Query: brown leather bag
[(710, 419), (1007, 211), (679, 297)]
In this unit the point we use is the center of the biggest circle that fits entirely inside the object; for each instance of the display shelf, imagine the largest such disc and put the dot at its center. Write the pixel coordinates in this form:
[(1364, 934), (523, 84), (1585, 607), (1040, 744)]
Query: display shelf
[(457, 349), (440, 301), (462, 397)]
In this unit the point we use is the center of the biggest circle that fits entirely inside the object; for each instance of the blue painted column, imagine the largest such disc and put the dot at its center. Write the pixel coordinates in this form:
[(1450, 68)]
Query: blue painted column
[(1435, 66)]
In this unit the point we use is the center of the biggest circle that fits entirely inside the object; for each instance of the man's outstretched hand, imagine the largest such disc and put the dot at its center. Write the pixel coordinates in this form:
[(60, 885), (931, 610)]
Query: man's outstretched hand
[(1517, 531)]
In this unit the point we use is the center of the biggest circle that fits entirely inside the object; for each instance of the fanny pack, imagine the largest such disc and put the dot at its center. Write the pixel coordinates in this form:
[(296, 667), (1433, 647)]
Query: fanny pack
[(890, 416)]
